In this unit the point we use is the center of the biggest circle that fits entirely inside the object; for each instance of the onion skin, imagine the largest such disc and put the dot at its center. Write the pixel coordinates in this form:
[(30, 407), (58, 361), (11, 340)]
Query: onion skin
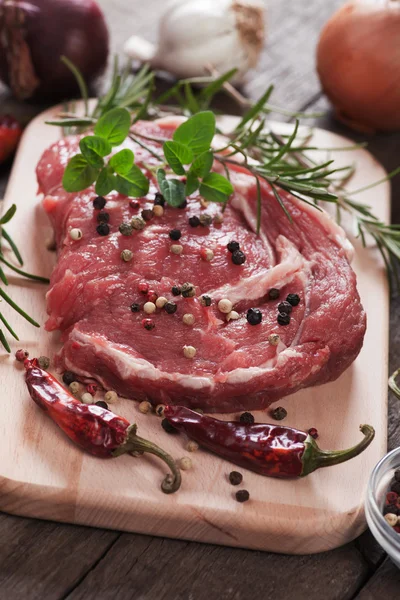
[(34, 34), (358, 63)]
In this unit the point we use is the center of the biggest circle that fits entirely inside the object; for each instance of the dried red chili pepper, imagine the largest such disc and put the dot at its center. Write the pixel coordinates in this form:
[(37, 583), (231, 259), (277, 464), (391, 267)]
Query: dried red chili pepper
[(272, 450), (93, 428), (10, 133)]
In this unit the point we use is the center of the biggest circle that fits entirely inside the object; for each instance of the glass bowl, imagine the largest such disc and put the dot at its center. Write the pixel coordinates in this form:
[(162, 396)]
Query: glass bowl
[(378, 486)]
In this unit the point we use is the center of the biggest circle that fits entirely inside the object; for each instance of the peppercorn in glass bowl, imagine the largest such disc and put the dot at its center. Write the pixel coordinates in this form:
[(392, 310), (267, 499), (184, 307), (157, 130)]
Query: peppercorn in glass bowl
[(378, 487)]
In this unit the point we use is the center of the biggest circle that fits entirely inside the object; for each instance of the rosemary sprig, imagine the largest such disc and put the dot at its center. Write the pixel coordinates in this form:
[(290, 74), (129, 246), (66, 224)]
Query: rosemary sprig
[(3, 295), (280, 160)]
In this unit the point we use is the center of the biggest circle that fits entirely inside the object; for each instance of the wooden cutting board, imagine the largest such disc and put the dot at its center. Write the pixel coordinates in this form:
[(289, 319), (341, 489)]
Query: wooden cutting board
[(42, 474)]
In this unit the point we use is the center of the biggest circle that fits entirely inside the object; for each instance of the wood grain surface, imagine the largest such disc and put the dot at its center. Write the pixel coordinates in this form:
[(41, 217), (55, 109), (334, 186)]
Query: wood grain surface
[(46, 560)]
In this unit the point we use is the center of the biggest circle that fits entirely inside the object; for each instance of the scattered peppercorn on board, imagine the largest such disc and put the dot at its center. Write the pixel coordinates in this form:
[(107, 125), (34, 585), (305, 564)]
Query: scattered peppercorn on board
[(42, 474)]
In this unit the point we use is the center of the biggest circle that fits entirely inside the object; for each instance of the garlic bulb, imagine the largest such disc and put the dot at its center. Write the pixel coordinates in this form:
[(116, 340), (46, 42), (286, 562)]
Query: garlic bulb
[(196, 35)]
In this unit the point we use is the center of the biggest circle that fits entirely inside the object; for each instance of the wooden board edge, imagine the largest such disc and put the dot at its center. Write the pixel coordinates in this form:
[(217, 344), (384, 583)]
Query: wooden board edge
[(53, 504), (52, 501)]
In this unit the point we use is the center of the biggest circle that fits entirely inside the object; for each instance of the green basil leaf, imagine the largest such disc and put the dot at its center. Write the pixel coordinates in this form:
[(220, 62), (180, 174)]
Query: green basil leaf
[(202, 165), (8, 215), (176, 155), (95, 144), (114, 125), (105, 182), (78, 175), (173, 190), (133, 183), (122, 161), (216, 188), (90, 153), (192, 183), (197, 132)]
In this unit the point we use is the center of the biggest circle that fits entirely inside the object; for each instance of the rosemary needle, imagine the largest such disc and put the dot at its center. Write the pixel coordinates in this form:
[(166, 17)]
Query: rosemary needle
[(18, 308), (4, 235), (24, 273)]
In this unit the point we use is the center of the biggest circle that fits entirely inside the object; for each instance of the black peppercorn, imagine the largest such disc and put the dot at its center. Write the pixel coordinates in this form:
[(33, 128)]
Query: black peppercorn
[(391, 508), (166, 425), (170, 308), (395, 487), (176, 290), (68, 377), (103, 229), (235, 477), (273, 294), (99, 202), (233, 245), (175, 234), (285, 307), (254, 316), (194, 221), (238, 257), (135, 307), (102, 404), (188, 290), (103, 217), (279, 413), (205, 300), (283, 319), (147, 214), (246, 418), (242, 495), (159, 199), (293, 299)]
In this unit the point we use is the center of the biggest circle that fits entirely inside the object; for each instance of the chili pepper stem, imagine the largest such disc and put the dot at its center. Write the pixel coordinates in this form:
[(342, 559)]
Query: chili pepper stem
[(315, 458), (134, 443)]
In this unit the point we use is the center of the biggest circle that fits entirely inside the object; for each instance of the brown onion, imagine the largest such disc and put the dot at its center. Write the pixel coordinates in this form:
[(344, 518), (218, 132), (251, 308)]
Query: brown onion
[(358, 62), (34, 34)]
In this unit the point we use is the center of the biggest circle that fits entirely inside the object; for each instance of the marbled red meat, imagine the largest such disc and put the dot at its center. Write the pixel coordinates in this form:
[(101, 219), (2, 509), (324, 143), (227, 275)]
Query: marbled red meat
[(235, 367)]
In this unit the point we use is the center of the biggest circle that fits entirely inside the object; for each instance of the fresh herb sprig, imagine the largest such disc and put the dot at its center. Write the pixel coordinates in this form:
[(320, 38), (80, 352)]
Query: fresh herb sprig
[(282, 162), (6, 218), (119, 172), (190, 147)]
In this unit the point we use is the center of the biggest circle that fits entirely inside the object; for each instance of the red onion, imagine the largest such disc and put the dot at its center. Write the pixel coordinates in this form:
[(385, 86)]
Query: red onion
[(34, 34), (358, 62)]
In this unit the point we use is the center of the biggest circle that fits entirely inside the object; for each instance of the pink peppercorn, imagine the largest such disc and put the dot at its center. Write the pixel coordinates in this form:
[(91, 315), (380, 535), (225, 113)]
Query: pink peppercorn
[(148, 324), (152, 296), (134, 204), (391, 498), (313, 432), (91, 388), (143, 287), (21, 355)]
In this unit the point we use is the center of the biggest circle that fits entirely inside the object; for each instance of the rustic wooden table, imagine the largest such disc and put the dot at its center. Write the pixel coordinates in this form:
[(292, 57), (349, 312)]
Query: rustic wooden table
[(42, 560)]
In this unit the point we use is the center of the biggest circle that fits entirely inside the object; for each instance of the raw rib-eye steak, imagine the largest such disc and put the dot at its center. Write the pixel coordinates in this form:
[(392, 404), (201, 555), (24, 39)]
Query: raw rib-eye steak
[(237, 364)]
